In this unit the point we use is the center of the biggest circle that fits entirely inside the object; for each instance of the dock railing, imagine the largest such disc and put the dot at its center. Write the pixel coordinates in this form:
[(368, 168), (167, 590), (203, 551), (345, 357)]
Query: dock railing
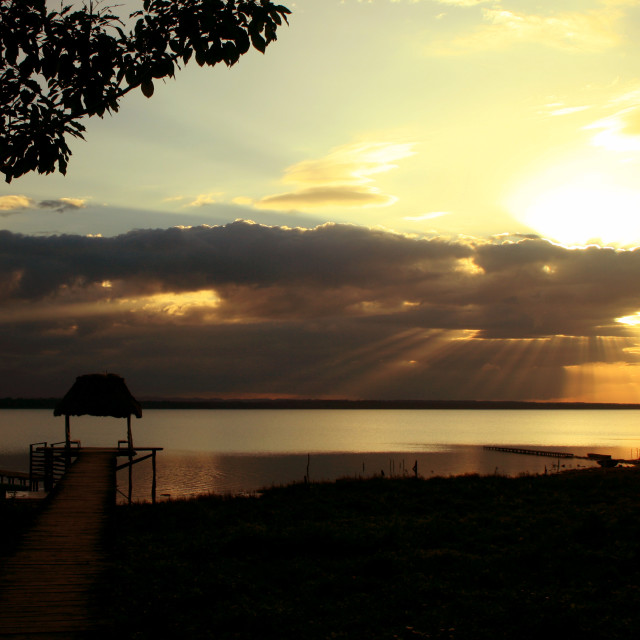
[(132, 453), (49, 462)]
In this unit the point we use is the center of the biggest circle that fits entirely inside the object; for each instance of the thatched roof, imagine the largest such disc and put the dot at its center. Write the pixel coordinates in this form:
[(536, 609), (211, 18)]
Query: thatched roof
[(99, 394)]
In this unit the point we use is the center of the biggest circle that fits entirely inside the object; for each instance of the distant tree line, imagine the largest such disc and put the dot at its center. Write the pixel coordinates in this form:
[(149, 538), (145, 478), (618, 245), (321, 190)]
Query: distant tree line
[(290, 403)]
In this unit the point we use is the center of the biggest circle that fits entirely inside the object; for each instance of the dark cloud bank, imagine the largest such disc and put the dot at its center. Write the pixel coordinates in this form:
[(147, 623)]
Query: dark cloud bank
[(336, 311)]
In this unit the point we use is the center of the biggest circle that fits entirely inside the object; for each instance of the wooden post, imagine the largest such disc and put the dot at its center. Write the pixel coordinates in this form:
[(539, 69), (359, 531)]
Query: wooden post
[(153, 481), (130, 444), (130, 476), (67, 443), (129, 436), (48, 468)]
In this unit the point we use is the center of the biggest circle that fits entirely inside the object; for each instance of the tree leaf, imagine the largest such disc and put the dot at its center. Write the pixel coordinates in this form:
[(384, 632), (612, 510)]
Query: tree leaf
[(242, 41), (258, 42), (147, 87), (60, 66), (27, 96)]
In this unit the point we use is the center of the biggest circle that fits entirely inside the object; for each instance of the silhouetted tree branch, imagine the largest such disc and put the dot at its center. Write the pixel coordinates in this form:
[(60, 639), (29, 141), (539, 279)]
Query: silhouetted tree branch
[(57, 67)]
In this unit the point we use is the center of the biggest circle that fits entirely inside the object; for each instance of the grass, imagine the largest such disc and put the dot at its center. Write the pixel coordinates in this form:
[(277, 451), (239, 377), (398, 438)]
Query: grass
[(465, 557)]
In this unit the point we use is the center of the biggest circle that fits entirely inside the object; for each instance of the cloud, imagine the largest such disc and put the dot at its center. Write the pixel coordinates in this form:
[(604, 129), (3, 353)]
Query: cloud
[(455, 3), (464, 3), (205, 199), (63, 204), (618, 132), (573, 31), (342, 178), (334, 310), (565, 111), (350, 163), (189, 259), (345, 196), (10, 205), (509, 287)]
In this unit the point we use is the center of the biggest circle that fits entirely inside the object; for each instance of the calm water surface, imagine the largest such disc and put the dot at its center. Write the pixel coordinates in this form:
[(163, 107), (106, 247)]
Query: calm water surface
[(234, 451)]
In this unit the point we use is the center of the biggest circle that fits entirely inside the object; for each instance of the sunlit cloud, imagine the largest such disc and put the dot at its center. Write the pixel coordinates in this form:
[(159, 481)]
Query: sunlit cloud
[(342, 196), (350, 163), (620, 132), (12, 204), (631, 321), (205, 199), (463, 3), (505, 288), (455, 3), (566, 111), (243, 201), (342, 178), (337, 310), (174, 308), (585, 31), (181, 305), (620, 3)]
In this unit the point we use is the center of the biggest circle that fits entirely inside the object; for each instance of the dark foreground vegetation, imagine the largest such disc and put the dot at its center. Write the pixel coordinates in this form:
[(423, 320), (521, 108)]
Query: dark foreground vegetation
[(467, 557)]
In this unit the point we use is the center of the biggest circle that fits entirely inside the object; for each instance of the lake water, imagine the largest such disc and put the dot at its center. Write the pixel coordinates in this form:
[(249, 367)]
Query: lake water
[(233, 451)]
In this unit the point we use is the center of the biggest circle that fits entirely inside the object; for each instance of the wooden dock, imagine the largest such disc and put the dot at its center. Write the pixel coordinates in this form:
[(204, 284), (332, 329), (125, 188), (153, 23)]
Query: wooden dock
[(532, 452), (45, 587), (15, 479)]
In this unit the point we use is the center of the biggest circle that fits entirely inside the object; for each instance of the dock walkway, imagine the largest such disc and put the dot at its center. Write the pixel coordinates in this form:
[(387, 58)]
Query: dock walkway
[(45, 585)]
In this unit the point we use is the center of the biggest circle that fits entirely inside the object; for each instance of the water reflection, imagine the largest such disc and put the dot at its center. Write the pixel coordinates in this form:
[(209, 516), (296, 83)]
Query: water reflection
[(244, 451), (187, 474)]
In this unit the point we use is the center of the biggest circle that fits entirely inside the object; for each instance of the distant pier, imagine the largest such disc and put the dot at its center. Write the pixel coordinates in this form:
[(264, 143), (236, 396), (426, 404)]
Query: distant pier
[(603, 459), (532, 452)]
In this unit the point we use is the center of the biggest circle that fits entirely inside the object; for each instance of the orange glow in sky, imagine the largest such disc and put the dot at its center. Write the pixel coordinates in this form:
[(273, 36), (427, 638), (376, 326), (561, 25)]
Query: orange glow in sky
[(432, 199)]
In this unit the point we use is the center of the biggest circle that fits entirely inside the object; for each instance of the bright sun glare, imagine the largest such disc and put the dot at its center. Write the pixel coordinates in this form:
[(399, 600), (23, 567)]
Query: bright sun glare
[(590, 209)]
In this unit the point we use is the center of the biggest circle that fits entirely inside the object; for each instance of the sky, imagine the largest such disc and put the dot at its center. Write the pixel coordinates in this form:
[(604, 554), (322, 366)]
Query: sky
[(401, 199)]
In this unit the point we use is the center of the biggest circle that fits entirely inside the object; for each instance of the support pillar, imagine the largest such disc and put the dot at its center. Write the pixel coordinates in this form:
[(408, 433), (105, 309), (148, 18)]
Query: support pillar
[(129, 435), (67, 443), (130, 468), (153, 481), (130, 445)]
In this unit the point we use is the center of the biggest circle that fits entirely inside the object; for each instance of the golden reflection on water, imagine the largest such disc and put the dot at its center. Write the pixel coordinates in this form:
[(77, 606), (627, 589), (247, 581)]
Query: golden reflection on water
[(188, 474), (222, 452)]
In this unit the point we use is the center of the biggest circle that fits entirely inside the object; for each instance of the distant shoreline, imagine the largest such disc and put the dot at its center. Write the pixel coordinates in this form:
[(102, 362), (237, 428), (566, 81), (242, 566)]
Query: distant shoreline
[(280, 404)]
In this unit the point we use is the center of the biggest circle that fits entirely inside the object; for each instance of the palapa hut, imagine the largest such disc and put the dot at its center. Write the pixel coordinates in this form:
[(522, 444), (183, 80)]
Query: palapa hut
[(99, 394)]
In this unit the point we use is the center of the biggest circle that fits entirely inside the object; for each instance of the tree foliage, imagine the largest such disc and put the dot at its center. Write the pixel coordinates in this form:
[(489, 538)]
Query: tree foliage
[(57, 67)]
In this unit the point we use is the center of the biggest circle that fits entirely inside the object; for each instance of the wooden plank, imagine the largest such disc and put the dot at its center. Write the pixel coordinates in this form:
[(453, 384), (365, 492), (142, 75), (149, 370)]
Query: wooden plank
[(44, 587)]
